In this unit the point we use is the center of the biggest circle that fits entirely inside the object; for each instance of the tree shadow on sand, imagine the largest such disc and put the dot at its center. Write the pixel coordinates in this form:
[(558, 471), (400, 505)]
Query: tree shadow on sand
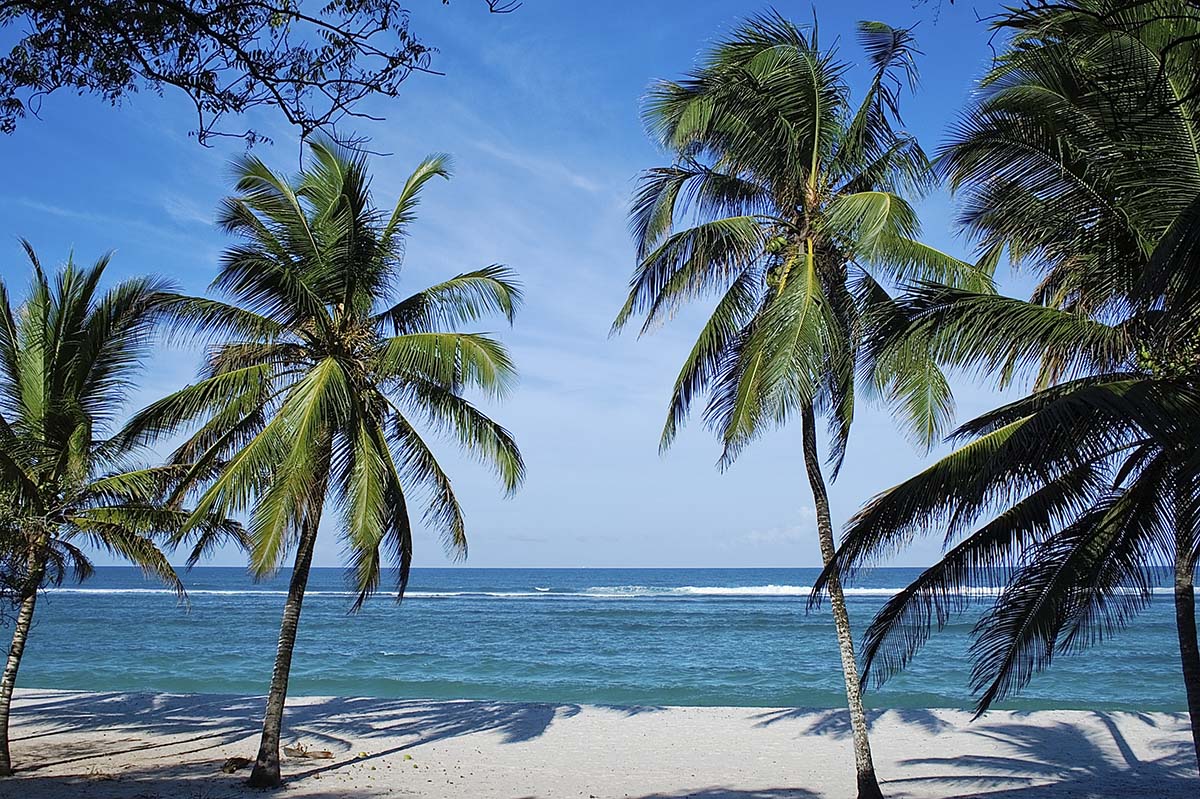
[(182, 740), (188, 724), (183, 735), (181, 781), (835, 722), (79, 739), (1061, 760), (733, 793), (1033, 760)]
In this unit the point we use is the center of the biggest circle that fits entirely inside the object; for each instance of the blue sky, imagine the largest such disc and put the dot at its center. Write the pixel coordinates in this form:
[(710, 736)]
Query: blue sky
[(540, 110)]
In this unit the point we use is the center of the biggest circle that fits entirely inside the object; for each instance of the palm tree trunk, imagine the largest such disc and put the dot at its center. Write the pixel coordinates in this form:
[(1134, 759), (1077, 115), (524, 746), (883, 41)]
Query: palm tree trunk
[(15, 651), (1189, 651), (266, 766), (868, 784)]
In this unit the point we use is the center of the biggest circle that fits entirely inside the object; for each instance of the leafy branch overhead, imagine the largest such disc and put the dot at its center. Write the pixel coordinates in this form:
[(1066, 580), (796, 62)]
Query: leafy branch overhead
[(314, 62)]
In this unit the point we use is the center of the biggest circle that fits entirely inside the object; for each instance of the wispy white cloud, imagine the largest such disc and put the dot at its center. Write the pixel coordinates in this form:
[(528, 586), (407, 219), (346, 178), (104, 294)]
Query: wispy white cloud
[(187, 211), (545, 168), (90, 217), (800, 532)]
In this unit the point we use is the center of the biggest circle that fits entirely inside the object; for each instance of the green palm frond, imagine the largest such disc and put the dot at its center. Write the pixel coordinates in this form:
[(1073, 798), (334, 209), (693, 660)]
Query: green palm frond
[(1091, 576), (166, 416), (666, 195), (454, 360), (711, 350), (479, 436), (68, 357), (1166, 411), (416, 463), (969, 570), (778, 190), (867, 219), (993, 334), (202, 317), (460, 300), (1080, 158), (311, 356), (689, 262), (403, 214)]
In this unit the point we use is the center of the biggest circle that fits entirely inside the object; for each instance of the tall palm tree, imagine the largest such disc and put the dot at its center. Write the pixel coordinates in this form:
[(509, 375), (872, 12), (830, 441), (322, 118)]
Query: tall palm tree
[(788, 201), (1082, 157), (319, 381), (68, 354)]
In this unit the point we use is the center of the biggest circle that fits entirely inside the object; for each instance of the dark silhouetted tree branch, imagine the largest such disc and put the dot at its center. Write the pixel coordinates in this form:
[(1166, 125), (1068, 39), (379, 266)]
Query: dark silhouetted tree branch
[(313, 61)]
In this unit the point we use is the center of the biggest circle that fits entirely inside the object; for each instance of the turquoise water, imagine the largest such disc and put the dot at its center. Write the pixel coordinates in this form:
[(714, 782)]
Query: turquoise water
[(610, 636)]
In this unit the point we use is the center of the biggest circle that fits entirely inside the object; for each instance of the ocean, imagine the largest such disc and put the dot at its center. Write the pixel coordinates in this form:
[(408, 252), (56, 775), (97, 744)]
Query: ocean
[(739, 637)]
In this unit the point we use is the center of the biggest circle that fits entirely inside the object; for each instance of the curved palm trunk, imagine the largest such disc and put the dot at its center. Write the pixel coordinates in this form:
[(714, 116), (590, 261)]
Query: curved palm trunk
[(868, 784), (266, 764), (1189, 651), (9, 681)]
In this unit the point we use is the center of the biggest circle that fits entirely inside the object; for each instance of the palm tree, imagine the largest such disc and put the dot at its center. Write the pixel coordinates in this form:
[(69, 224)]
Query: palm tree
[(787, 201), (68, 354), (319, 382), (1082, 157)]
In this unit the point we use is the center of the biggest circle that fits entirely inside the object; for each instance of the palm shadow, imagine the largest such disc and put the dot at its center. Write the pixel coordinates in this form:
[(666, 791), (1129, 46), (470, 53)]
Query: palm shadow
[(184, 736), (190, 724), (735, 793), (180, 729), (167, 780), (1060, 760), (835, 722)]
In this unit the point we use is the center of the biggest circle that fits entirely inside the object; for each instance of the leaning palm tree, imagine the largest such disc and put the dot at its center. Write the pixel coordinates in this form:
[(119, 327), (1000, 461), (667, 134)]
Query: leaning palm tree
[(788, 201), (68, 354), (319, 382), (1082, 157)]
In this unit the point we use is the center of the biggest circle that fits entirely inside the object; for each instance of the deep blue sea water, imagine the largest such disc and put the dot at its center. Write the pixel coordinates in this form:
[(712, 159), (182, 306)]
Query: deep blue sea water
[(610, 636)]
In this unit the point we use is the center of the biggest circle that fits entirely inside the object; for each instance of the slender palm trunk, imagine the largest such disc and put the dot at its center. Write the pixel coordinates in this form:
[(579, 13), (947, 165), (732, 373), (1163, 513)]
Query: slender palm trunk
[(1189, 651), (9, 681), (15, 651), (868, 784), (266, 766)]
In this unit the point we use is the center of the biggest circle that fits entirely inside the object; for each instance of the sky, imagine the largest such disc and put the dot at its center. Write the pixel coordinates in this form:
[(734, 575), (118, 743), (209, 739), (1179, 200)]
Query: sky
[(540, 111)]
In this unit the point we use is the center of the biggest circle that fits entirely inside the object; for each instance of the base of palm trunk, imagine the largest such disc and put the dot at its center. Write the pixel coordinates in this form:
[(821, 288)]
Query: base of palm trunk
[(1189, 646), (868, 787), (265, 775)]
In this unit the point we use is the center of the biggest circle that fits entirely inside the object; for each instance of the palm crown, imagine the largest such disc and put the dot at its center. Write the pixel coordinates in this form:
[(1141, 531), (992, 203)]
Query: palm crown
[(68, 355), (788, 201), (799, 222), (1081, 157), (320, 382)]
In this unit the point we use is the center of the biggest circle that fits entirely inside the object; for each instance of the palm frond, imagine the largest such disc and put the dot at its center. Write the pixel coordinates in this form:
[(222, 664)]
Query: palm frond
[(462, 299), (970, 570)]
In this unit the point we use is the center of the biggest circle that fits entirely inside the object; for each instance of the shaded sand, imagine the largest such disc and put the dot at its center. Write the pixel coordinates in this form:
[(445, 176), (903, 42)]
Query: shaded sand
[(147, 746)]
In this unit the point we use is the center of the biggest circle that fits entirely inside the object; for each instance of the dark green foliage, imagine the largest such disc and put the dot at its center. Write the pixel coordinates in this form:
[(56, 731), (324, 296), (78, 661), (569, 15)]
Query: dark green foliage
[(68, 355), (1081, 158)]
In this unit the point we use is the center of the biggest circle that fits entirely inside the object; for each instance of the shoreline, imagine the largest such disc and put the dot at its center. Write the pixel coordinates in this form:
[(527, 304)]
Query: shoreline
[(114, 745), (299, 695)]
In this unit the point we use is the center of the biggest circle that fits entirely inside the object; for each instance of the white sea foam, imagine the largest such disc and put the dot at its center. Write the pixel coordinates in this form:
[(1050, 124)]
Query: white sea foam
[(724, 591), (193, 592), (595, 592)]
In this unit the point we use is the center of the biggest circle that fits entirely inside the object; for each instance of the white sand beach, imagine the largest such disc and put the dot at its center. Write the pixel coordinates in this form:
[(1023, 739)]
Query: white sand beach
[(153, 746)]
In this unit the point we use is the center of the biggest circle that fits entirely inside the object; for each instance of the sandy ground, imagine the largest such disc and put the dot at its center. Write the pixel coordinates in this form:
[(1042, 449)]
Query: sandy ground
[(147, 746)]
